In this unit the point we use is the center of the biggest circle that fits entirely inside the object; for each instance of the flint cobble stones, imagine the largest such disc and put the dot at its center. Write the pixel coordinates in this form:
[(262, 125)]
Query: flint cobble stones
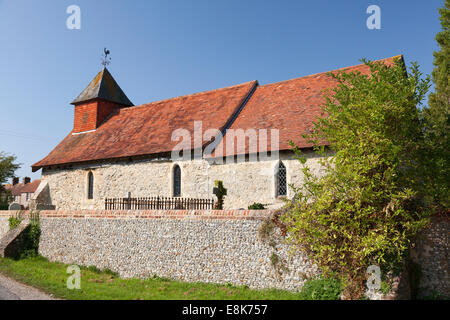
[(218, 251), (203, 245), (431, 253), (4, 226)]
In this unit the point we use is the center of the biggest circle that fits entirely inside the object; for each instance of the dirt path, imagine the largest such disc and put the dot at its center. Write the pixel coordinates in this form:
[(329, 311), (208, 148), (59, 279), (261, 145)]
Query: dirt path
[(12, 290)]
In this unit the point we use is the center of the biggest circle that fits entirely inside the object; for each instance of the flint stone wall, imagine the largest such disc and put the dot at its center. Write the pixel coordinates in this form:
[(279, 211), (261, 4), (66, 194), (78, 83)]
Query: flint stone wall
[(4, 225), (217, 246), (206, 246), (431, 253)]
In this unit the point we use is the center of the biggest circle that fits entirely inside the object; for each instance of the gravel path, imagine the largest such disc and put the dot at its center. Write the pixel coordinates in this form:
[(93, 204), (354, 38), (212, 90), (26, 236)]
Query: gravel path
[(12, 290)]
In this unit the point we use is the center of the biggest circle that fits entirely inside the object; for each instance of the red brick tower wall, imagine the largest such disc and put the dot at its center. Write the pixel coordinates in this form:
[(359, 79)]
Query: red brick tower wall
[(90, 115)]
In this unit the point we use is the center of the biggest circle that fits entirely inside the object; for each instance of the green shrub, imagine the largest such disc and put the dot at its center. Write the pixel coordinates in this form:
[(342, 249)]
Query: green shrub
[(274, 259), (4, 204), (436, 122), (107, 271), (31, 240), (14, 222), (256, 206), (321, 289), (385, 287), (5, 199), (367, 207), (31, 236)]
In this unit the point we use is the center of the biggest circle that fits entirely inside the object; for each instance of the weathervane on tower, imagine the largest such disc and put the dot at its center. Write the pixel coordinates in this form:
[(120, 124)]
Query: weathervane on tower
[(105, 59)]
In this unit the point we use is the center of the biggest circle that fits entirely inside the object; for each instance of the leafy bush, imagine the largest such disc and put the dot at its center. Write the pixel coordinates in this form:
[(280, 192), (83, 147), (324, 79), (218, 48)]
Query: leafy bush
[(5, 198), (321, 289), (256, 206), (367, 207), (14, 222), (4, 202), (31, 241), (385, 287), (436, 123), (7, 167), (31, 236)]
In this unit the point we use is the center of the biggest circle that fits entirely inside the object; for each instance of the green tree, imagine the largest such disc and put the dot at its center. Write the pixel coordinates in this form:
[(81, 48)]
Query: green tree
[(5, 198), (436, 121), (366, 208), (7, 167)]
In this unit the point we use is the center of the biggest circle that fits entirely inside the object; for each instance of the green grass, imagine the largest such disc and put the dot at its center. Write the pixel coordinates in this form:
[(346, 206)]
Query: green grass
[(51, 278)]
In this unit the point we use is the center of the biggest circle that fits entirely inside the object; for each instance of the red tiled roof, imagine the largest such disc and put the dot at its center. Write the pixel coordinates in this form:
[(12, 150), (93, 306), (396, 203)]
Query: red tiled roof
[(20, 188), (147, 129), (290, 106)]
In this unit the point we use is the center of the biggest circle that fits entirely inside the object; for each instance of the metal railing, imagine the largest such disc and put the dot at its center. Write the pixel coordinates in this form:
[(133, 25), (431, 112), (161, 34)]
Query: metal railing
[(158, 203)]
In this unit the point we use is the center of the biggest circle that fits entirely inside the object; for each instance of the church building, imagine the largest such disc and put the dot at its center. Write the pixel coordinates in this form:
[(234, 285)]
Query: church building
[(119, 150)]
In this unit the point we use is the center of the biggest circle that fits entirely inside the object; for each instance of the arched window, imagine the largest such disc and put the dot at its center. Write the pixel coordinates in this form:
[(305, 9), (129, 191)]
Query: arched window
[(281, 182), (176, 181), (90, 185)]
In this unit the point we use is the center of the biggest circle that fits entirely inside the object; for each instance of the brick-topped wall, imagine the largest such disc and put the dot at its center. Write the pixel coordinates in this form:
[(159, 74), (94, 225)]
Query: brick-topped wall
[(149, 214), (219, 246), (202, 245)]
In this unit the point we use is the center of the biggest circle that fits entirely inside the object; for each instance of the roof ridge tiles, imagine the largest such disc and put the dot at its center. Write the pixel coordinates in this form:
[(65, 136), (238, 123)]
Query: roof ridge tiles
[(400, 56)]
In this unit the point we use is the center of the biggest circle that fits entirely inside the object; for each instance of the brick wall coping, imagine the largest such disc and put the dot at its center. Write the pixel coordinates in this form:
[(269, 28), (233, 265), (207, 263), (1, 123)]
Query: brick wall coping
[(148, 214)]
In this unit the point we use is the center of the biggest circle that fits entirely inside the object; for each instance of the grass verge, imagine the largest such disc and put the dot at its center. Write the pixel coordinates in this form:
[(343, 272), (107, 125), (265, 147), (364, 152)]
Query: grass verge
[(51, 277)]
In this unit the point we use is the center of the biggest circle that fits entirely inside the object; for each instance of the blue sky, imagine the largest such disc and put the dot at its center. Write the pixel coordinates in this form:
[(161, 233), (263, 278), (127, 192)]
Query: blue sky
[(163, 49)]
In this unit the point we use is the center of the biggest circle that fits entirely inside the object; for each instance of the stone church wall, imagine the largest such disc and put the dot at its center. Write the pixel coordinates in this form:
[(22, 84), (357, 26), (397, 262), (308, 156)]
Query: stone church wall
[(247, 182)]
